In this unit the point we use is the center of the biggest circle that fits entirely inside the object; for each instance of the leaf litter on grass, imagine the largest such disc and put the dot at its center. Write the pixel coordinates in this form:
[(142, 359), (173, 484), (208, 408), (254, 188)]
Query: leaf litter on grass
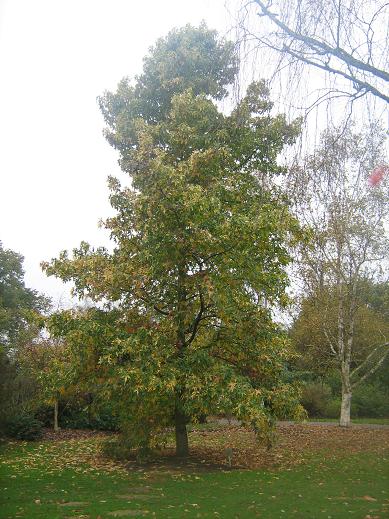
[(80, 455), (295, 444)]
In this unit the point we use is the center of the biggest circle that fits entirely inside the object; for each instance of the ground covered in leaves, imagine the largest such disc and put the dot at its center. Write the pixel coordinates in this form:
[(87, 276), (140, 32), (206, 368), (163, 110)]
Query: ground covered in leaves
[(312, 471), (293, 444)]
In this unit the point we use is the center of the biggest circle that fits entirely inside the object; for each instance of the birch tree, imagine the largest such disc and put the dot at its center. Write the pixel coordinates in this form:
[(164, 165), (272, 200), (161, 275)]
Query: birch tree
[(346, 216)]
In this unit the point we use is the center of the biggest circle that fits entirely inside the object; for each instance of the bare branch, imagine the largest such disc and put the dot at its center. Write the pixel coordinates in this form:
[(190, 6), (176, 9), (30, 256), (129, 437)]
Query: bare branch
[(332, 37), (372, 370), (371, 355), (320, 47), (362, 85)]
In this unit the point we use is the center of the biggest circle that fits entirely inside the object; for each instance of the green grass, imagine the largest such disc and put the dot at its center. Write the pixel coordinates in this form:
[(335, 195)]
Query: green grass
[(38, 479), (373, 421)]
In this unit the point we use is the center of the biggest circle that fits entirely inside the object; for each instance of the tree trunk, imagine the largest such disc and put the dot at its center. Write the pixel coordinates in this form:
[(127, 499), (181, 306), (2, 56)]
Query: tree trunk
[(344, 350), (345, 420), (345, 408), (56, 428), (180, 420), (182, 448)]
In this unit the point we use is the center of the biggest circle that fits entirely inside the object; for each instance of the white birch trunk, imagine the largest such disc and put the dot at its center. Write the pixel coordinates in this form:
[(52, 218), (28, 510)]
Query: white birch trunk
[(345, 409), (56, 428)]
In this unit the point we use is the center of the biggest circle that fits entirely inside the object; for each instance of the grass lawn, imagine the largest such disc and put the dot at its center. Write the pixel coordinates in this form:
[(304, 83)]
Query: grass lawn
[(311, 473)]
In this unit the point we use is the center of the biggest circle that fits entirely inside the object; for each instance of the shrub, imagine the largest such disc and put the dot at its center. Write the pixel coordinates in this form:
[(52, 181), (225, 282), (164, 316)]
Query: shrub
[(101, 419), (24, 427), (123, 448), (332, 409), (315, 398), (370, 400), (118, 449), (75, 420)]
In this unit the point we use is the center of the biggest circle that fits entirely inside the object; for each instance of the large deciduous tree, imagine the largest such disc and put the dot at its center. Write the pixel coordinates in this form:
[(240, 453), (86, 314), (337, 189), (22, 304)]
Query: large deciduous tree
[(347, 216), (200, 242)]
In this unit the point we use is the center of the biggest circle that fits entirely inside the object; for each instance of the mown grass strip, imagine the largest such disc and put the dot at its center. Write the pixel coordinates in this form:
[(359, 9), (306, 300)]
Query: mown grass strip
[(351, 486)]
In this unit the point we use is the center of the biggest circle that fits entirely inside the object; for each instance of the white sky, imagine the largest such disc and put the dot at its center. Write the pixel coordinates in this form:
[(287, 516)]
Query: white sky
[(56, 57)]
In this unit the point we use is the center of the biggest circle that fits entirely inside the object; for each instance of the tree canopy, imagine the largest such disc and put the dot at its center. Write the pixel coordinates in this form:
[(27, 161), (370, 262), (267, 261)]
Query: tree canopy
[(19, 306), (318, 317), (21, 318)]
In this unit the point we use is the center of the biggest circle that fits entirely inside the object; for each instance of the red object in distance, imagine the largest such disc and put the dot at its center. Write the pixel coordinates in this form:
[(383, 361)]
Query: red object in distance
[(377, 175)]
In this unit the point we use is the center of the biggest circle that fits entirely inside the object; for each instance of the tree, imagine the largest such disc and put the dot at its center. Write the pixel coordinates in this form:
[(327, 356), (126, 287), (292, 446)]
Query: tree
[(200, 242), (65, 364), (347, 220), (49, 363), (21, 319), (345, 39), (20, 307)]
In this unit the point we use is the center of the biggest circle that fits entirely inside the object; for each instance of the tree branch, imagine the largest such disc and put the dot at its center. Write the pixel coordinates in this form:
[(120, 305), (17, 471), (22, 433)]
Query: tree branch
[(367, 87), (314, 47), (371, 371), (323, 47), (197, 320), (366, 361)]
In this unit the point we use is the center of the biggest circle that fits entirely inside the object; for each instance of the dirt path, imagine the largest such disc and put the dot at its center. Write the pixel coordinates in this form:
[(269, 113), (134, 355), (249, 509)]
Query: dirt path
[(336, 424), (234, 422)]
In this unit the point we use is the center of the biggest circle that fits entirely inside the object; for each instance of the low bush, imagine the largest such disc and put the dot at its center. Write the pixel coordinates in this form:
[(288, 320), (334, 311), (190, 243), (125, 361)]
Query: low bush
[(315, 398), (75, 413), (118, 449), (332, 409), (99, 419), (24, 427), (370, 400)]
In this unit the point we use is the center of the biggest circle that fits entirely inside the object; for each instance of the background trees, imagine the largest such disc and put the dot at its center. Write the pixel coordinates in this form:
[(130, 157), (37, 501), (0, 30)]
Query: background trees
[(347, 219), (49, 363), (21, 319), (19, 306), (200, 241), (319, 313), (319, 370)]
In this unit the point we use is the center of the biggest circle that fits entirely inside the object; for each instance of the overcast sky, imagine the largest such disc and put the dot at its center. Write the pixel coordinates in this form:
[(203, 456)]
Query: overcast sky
[(56, 57)]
